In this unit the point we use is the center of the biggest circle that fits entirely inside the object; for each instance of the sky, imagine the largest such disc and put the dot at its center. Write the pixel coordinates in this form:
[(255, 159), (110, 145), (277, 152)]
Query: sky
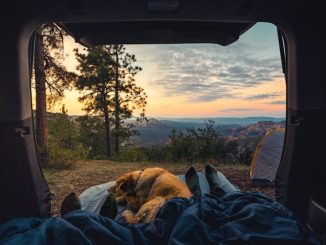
[(205, 80)]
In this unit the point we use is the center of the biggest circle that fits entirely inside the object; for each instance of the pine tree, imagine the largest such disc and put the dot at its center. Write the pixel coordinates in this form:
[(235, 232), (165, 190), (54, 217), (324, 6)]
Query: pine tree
[(107, 79), (51, 79), (127, 95)]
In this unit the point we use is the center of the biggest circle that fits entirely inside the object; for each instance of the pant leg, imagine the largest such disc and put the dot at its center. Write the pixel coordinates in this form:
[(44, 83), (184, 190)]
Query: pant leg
[(224, 184)]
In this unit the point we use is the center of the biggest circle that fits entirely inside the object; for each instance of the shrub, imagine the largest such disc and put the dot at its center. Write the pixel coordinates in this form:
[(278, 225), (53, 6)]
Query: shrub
[(130, 155), (65, 158)]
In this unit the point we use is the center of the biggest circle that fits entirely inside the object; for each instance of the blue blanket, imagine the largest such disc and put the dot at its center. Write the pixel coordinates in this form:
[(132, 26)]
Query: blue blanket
[(234, 218)]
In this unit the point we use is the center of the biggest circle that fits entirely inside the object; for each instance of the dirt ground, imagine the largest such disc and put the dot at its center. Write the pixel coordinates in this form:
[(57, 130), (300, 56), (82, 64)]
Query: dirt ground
[(89, 173)]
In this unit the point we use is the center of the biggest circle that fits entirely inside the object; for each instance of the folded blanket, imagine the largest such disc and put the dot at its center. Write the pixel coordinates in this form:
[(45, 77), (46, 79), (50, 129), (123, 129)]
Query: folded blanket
[(234, 218)]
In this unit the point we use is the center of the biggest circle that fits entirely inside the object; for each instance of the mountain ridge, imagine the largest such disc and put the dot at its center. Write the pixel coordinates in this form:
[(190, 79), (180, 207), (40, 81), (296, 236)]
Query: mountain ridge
[(156, 132)]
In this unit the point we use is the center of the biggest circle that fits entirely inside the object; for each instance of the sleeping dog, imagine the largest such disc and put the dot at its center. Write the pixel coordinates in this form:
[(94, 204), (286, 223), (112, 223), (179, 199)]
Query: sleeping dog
[(146, 191)]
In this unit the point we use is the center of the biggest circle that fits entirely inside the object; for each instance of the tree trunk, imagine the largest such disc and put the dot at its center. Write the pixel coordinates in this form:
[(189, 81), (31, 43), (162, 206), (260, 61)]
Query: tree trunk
[(40, 87), (116, 103), (107, 131)]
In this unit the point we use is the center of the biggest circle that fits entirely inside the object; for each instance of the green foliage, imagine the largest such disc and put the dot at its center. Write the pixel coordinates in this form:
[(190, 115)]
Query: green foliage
[(65, 158), (130, 155), (201, 144), (84, 138), (95, 78), (197, 144), (56, 77), (50, 79), (157, 154), (64, 144), (92, 136), (143, 154)]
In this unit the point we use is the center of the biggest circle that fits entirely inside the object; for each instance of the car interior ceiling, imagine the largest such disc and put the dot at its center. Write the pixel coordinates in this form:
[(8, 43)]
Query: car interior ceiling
[(301, 177)]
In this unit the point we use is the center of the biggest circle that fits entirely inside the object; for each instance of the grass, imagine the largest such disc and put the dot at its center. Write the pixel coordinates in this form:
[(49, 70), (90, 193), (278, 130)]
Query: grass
[(89, 173)]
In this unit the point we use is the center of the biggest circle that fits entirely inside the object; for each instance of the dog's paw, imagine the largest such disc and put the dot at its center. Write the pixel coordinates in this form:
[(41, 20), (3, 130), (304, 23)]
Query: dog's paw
[(148, 211), (129, 216)]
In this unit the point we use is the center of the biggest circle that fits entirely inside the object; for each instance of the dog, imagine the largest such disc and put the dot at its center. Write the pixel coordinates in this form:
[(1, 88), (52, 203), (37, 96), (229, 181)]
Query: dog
[(145, 192)]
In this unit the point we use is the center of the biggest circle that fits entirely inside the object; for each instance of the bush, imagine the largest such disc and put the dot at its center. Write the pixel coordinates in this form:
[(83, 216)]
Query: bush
[(200, 144), (156, 154), (65, 158), (130, 155), (84, 138)]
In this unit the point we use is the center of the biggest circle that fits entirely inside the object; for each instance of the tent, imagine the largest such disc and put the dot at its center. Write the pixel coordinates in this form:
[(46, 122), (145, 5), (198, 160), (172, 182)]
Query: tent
[(267, 158)]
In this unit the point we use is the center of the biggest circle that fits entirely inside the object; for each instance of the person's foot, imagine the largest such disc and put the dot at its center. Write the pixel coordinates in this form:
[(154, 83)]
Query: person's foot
[(212, 178), (192, 181), (70, 203), (110, 207)]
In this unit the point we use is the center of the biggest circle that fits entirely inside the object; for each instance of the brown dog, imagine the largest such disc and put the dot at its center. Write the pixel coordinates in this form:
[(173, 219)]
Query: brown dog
[(146, 191)]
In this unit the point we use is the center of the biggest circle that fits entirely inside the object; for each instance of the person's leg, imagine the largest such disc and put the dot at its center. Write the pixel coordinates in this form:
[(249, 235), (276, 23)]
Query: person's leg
[(192, 181), (218, 183), (70, 203), (110, 207)]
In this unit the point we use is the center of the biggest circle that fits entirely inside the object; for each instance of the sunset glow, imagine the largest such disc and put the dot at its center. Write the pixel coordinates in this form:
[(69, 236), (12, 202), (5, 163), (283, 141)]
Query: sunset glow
[(205, 80)]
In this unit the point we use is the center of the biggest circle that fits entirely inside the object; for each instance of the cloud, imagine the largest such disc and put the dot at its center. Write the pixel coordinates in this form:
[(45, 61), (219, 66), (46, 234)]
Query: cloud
[(263, 96), (277, 102), (238, 109), (208, 72)]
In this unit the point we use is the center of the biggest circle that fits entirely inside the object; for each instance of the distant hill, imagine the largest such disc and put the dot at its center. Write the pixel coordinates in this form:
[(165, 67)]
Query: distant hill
[(151, 133), (223, 120), (258, 129), (156, 132)]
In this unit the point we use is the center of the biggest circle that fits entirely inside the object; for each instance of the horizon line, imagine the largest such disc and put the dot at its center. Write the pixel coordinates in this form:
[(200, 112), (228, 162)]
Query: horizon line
[(204, 117)]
